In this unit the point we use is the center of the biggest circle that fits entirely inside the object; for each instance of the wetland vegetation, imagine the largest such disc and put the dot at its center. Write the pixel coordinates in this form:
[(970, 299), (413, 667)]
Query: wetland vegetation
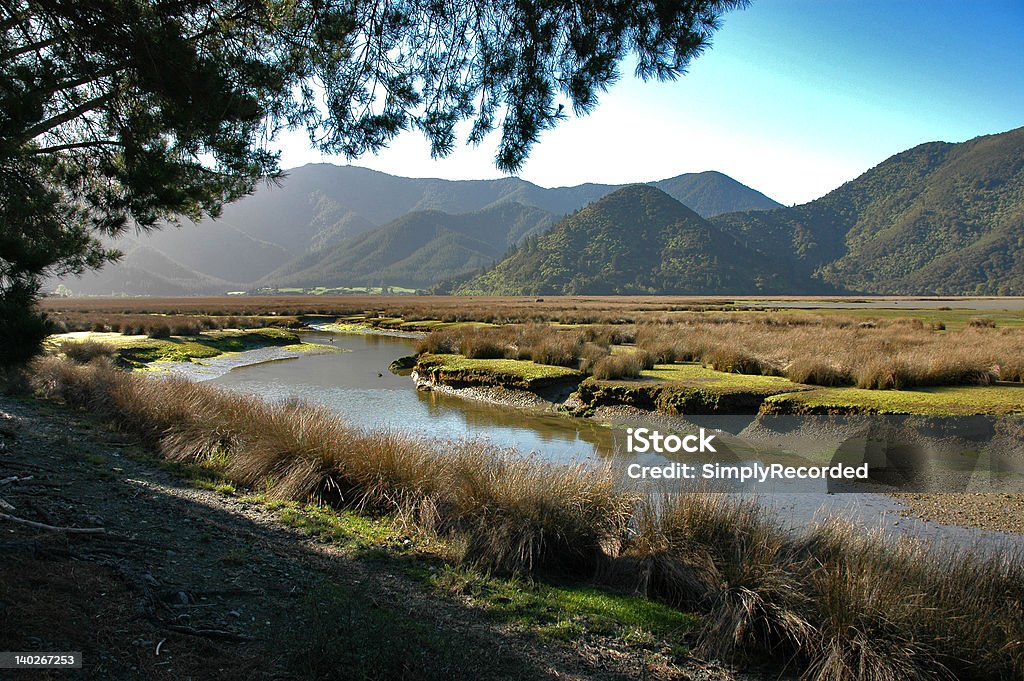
[(721, 578), (831, 601)]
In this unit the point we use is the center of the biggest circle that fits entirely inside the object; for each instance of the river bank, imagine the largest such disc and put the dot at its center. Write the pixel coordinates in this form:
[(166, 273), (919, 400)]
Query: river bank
[(192, 577)]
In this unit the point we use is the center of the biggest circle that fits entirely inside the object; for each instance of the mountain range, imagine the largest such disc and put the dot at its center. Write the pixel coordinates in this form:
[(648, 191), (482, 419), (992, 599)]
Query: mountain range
[(667, 248), (327, 225), (937, 219)]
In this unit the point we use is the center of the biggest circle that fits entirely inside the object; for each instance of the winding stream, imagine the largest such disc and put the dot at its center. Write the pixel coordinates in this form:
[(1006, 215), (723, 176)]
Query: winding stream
[(356, 383)]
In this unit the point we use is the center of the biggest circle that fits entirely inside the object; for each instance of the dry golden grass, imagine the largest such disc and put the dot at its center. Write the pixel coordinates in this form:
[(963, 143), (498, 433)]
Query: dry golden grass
[(838, 603), (845, 605), (829, 351), (513, 514), (833, 351)]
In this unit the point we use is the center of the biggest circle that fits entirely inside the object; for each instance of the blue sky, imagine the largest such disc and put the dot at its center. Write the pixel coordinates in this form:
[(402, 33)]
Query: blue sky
[(794, 98)]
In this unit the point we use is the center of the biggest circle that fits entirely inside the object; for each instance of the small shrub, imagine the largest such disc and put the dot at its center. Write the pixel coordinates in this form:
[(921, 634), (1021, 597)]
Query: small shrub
[(85, 351), (818, 372), (622, 365)]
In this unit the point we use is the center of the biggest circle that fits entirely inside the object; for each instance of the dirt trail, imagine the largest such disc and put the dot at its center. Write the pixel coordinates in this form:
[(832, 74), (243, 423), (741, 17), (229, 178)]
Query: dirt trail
[(186, 583)]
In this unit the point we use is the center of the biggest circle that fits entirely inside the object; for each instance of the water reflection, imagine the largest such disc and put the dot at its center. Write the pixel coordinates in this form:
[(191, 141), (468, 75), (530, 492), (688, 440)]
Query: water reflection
[(357, 384)]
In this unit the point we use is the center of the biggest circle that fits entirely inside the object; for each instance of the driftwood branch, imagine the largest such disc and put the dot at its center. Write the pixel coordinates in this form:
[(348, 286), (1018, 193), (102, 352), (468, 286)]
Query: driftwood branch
[(52, 528)]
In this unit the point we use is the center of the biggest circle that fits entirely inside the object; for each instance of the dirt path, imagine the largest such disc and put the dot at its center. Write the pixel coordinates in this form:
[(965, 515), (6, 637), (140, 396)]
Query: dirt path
[(186, 583)]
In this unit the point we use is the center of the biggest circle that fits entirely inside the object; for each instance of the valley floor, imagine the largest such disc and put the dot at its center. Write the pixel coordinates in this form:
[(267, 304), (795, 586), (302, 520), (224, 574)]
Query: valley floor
[(190, 580)]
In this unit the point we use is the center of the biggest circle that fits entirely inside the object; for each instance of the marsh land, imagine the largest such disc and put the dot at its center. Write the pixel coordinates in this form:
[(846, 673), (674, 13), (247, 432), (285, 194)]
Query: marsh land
[(336, 453)]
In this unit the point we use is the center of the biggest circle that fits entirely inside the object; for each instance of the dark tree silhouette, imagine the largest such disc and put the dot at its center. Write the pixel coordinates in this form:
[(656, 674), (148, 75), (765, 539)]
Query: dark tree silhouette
[(118, 114)]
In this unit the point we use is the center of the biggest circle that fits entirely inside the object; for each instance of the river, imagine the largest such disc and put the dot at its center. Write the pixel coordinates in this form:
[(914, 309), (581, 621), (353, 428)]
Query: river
[(356, 383)]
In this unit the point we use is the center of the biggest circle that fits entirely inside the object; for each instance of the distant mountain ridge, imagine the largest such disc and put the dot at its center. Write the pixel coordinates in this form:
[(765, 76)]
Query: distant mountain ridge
[(322, 207), (938, 219), (418, 249), (636, 240)]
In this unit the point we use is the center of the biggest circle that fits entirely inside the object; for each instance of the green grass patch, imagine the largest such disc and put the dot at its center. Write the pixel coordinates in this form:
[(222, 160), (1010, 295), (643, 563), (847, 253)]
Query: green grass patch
[(697, 375), (684, 389), (551, 611), (355, 533), (565, 612), (138, 352), (516, 373), (999, 399)]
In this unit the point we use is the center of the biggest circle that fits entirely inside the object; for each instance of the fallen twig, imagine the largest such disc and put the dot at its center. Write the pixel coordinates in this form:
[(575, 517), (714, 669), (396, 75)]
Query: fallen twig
[(221, 634), (52, 528), (4, 505)]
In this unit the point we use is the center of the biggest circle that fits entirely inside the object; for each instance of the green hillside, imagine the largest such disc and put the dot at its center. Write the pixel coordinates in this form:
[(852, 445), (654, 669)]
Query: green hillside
[(417, 249), (289, 226), (637, 240), (944, 219)]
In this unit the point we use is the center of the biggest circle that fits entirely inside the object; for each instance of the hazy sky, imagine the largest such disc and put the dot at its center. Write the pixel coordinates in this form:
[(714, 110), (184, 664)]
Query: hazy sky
[(794, 98)]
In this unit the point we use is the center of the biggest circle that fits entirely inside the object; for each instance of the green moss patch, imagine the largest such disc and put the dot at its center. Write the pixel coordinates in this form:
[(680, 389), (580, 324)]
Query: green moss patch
[(138, 352), (566, 612), (685, 389), (999, 399), (456, 370)]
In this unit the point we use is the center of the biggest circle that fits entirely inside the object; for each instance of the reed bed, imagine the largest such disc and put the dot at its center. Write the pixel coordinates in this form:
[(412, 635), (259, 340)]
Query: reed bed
[(828, 351), (510, 512), (830, 600), (157, 325), (898, 354)]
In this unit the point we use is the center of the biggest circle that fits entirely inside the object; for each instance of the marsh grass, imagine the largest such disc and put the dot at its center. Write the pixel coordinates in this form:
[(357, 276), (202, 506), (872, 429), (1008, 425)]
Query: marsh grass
[(829, 600), (845, 604), (832, 351), (511, 513), (892, 354), (85, 351)]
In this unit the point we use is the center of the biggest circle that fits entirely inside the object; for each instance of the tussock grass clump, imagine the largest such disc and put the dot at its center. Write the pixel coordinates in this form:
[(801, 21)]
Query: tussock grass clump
[(901, 374), (540, 343), (842, 603), (733, 360), (622, 365), (729, 560), (885, 354), (85, 351), (512, 514), (818, 372), (1011, 369)]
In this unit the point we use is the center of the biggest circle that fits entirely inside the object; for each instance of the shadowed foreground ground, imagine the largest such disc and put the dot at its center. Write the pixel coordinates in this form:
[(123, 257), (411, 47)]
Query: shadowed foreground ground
[(190, 583)]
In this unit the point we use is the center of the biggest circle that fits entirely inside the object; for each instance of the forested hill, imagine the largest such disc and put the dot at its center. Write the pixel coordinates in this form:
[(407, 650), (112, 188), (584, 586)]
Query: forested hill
[(944, 219), (637, 240)]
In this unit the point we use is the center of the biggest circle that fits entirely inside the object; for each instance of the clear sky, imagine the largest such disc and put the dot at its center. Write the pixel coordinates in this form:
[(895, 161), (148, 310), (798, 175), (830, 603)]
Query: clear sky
[(794, 98)]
